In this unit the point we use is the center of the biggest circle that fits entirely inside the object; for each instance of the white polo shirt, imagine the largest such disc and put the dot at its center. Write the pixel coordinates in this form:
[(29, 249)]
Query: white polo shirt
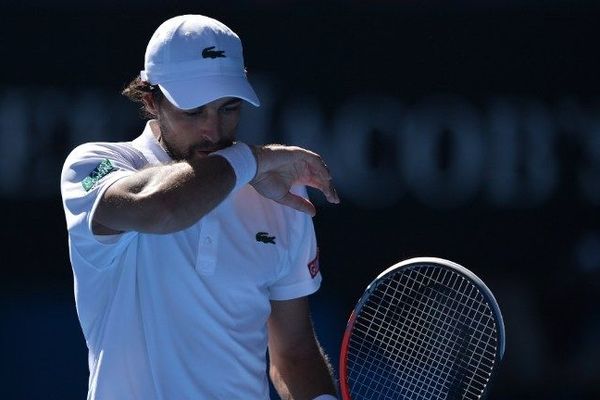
[(182, 315)]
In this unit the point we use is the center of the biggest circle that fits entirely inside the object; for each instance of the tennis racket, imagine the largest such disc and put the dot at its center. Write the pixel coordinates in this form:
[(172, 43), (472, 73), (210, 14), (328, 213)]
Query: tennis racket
[(424, 329)]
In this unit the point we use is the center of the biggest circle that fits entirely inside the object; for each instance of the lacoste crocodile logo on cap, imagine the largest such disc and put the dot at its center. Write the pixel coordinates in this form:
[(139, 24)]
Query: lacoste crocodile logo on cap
[(265, 238), (210, 53)]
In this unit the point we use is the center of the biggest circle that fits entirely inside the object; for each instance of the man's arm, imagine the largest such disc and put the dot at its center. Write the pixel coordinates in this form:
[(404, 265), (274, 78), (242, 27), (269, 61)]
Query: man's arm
[(172, 197), (166, 198), (299, 369)]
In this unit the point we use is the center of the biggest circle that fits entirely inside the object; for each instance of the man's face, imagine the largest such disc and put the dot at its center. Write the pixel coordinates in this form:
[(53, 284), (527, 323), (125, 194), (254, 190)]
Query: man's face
[(195, 133)]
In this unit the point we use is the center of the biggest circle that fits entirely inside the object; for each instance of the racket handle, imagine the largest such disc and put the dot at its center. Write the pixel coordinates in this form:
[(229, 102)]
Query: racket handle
[(325, 397)]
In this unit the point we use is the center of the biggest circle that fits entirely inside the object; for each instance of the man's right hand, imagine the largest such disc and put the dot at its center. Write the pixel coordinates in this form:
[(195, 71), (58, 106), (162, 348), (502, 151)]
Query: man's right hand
[(279, 167)]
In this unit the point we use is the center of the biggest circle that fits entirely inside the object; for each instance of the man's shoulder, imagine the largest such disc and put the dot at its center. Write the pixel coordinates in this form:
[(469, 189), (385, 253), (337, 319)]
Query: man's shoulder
[(91, 148), (105, 150)]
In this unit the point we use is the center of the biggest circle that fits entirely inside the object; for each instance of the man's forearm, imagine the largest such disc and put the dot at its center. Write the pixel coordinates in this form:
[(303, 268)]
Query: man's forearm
[(170, 198), (302, 377), (167, 198)]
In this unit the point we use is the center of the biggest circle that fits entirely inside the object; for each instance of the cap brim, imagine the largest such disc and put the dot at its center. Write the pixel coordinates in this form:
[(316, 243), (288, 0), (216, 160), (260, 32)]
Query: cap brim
[(192, 93)]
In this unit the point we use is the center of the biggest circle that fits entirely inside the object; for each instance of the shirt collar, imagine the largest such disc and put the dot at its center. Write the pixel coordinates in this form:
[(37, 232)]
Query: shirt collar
[(149, 146)]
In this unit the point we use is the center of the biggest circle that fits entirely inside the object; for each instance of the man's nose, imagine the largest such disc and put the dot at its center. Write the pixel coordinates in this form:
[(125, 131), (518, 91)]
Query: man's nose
[(210, 126)]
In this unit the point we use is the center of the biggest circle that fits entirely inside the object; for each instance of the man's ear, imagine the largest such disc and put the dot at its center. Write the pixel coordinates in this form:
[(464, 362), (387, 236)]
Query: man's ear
[(150, 103)]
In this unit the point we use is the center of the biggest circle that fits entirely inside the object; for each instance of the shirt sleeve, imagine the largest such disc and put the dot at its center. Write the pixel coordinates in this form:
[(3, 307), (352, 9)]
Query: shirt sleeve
[(88, 171), (302, 275)]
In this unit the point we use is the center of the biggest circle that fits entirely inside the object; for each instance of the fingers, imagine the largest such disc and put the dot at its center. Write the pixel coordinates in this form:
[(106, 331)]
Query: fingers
[(298, 203), (326, 188), (281, 167), (321, 179)]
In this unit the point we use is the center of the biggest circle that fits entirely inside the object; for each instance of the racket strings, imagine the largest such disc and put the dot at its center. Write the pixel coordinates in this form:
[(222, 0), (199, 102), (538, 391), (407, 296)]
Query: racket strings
[(438, 341), (385, 325), (395, 355), (424, 323)]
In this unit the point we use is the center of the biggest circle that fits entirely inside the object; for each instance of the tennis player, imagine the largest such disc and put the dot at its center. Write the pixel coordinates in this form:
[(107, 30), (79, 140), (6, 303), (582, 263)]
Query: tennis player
[(192, 253)]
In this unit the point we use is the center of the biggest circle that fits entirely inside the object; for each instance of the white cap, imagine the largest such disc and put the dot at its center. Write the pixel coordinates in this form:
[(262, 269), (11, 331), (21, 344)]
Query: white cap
[(195, 60)]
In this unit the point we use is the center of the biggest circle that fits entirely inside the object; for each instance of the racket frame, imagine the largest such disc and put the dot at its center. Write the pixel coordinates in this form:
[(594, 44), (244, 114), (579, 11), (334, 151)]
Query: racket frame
[(413, 262)]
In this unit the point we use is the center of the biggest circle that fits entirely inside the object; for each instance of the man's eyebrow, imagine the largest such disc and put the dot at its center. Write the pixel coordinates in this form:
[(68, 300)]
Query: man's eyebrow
[(232, 101), (227, 103)]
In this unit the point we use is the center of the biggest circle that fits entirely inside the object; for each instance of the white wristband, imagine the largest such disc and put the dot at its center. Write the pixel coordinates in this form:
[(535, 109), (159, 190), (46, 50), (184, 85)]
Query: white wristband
[(242, 160), (325, 397)]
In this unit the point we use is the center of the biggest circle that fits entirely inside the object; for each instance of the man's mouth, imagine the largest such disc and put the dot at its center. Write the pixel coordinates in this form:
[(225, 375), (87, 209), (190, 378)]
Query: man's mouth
[(207, 151)]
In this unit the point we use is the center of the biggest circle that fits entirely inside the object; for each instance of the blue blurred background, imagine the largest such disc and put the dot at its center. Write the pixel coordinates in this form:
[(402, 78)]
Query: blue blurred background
[(468, 130)]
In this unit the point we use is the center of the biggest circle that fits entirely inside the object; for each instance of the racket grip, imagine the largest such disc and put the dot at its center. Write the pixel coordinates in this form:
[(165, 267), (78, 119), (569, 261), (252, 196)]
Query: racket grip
[(325, 397)]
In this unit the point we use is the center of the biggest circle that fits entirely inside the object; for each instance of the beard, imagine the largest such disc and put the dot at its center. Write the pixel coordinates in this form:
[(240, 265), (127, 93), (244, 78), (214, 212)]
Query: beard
[(193, 151)]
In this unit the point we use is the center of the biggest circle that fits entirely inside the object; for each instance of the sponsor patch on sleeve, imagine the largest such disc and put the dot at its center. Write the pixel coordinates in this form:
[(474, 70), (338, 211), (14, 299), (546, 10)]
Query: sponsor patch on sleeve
[(313, 266), (101, 170)]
